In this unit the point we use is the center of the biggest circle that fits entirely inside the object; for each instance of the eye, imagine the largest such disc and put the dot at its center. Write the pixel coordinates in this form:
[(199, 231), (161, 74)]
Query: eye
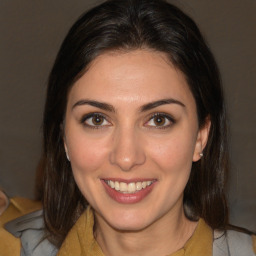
[(160, 120), (95, 120)]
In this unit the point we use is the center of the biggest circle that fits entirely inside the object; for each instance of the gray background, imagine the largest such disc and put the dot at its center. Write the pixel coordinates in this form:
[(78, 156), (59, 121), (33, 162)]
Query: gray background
[(30, 35)]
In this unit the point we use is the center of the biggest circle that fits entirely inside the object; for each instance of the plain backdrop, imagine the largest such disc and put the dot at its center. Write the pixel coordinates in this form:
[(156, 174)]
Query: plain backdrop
[(31, 33)]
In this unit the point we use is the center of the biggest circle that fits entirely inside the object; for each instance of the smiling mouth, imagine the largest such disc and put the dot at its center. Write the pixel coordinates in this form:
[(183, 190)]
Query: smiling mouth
[(128, 188)]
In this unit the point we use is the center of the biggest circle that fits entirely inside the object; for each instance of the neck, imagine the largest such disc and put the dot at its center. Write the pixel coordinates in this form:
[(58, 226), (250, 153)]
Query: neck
[(165, 236)]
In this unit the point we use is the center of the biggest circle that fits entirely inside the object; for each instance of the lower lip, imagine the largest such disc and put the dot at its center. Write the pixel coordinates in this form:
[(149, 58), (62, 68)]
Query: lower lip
[(127, 198)]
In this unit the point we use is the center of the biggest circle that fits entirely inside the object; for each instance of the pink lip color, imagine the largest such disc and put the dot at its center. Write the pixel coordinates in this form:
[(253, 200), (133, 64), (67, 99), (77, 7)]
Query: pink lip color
[(127, 198)]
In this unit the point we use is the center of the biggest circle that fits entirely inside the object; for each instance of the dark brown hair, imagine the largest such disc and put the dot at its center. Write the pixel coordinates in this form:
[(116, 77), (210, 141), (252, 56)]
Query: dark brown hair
[(129, 25)]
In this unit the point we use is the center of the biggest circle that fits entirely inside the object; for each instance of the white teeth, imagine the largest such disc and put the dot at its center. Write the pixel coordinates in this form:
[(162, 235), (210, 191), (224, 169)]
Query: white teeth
[(128, 188), (131, 187), (123, 187), (117, 187), (138, 186), (111, 183)]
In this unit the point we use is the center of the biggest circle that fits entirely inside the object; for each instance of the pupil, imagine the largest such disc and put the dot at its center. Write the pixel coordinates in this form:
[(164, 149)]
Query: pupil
[(159, 120)]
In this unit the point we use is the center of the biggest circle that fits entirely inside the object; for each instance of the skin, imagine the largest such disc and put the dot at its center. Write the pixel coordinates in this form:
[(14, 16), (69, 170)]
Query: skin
[(130, 144)]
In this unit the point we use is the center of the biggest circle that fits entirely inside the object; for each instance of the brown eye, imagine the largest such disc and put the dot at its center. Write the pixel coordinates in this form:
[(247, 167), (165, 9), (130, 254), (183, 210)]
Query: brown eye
[(159, 120), (97, 120)]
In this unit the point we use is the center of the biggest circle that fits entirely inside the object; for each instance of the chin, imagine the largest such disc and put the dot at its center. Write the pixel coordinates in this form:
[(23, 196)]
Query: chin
[(128, 226), (128, 220)]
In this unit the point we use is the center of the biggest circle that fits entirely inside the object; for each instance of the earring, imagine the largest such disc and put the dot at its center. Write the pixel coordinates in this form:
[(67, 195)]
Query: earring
[(201, 154)]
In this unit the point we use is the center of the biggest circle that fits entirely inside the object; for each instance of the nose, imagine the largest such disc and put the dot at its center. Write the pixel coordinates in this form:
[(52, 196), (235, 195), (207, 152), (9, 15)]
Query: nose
[(127, 150)]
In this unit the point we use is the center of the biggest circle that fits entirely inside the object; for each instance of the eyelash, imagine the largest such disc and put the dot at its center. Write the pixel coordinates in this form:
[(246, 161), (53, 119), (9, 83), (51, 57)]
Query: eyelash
[(93, 115), (87, 117), (161, 115)]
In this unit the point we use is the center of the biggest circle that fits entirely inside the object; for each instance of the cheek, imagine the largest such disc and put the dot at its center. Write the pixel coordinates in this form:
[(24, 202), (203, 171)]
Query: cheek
[(86, 155), (173, 154), (87, 159)]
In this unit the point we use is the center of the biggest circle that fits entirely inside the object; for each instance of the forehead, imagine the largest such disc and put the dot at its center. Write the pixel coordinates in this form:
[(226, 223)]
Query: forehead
[(134, 76)]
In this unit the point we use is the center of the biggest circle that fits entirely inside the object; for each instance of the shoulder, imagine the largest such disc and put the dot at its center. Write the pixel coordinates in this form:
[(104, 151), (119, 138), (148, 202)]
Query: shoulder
[(9, 244), (30, 230), (17, 207), (254, 243), (233, 242)]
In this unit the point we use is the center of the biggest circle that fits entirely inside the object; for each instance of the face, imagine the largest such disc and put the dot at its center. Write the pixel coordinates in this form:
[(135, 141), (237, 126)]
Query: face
[(131, 134)]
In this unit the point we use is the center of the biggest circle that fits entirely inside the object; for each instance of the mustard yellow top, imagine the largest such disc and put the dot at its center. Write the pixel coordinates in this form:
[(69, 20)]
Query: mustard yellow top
[(80, 240)]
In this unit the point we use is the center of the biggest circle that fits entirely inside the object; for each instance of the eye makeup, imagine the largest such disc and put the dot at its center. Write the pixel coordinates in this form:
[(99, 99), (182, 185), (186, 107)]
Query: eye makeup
[(95, 120), (160, 121)]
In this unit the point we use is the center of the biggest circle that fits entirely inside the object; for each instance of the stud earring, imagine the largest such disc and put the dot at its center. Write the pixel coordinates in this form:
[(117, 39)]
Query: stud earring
[(201, 154)]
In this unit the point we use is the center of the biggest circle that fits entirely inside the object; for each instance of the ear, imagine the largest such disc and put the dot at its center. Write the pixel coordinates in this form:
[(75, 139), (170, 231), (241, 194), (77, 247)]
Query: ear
[(66, 149), (64, 141), (202, 138)]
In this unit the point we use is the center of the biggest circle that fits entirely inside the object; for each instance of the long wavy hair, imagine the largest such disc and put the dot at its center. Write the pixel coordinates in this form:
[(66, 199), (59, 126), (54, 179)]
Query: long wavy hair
[(130, 25)]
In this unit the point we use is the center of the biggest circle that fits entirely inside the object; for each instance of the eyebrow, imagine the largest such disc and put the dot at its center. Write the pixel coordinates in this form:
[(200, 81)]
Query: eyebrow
[(158, 103), (97, 104), (110, 108)]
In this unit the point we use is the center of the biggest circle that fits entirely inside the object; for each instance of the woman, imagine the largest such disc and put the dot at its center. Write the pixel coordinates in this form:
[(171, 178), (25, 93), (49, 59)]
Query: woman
[(135, 143)]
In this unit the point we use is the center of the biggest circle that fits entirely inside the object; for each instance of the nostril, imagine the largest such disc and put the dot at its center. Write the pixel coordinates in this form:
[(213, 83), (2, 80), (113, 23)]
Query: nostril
[(126, 162)]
